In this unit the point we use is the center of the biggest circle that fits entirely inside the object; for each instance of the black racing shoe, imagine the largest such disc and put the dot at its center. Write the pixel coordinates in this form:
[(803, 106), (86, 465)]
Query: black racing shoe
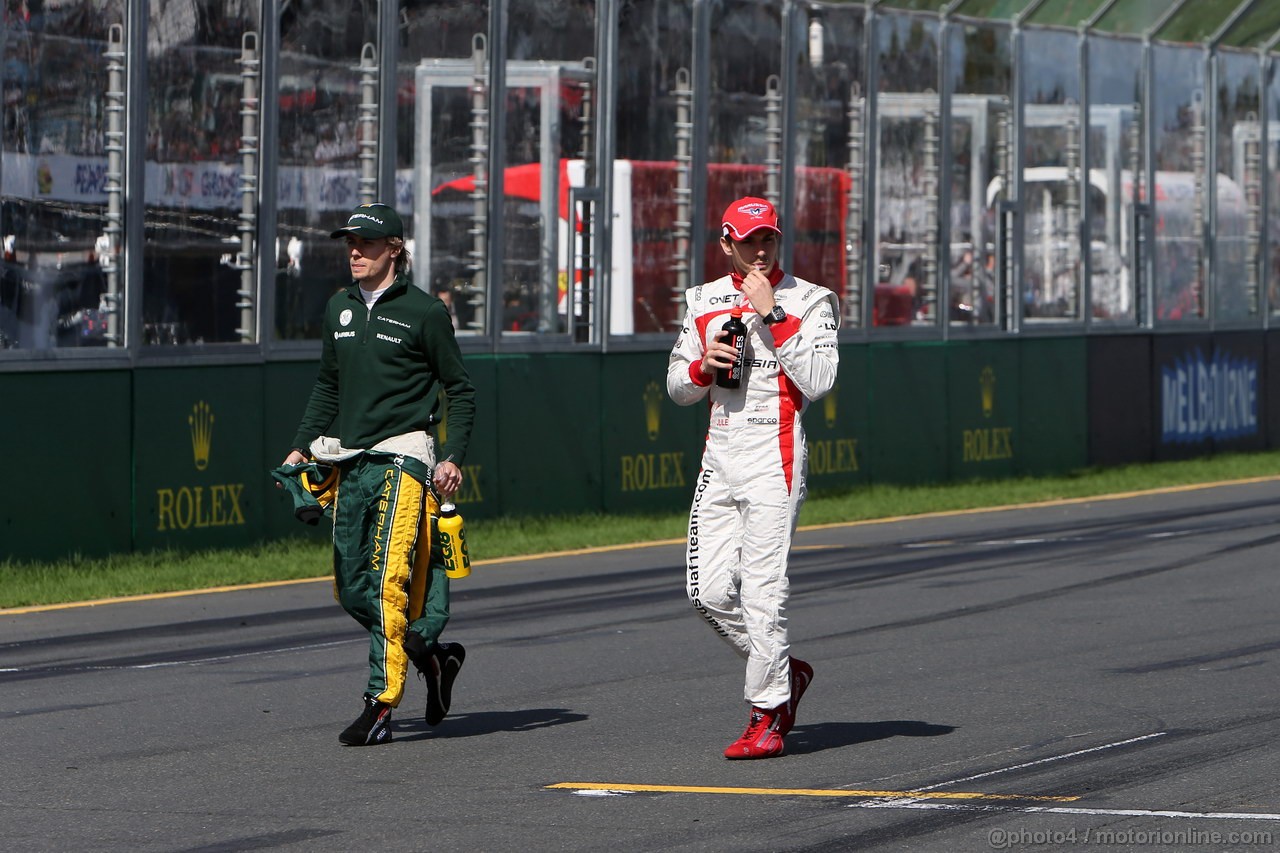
[(373, 726), (446, 662), (420, 655), (438, 664)]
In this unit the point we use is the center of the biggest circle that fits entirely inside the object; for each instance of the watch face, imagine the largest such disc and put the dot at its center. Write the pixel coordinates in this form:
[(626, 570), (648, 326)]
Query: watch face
[(777, 315)]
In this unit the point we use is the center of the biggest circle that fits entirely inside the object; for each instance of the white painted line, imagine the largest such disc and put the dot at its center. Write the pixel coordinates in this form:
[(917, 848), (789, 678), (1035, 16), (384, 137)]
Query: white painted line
[(1024, 541), (221, 658), (1044, 761), (913, 804), (194, 662)]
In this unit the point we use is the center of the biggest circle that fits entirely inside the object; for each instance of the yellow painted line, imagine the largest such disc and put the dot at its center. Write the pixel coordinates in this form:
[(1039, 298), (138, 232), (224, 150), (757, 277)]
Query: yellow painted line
[(808, 792), (605, 549), (155, 596), (1163, 490), (1116, 496)]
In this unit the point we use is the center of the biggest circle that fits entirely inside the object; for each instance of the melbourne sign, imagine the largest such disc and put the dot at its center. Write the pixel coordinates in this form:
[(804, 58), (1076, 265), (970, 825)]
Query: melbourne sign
[(1208, 398)]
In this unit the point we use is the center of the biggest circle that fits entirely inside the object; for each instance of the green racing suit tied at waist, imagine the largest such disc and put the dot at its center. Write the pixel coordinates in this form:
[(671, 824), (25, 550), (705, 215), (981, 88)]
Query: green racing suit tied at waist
[(313, 485)]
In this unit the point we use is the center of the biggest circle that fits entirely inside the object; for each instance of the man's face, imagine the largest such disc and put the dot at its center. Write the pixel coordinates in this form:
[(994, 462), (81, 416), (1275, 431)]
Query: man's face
[(372, 261), (759, 251)]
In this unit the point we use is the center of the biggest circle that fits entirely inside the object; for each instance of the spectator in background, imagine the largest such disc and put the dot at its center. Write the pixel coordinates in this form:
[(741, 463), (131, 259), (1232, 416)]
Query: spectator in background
[(445, 295), (517, 315)]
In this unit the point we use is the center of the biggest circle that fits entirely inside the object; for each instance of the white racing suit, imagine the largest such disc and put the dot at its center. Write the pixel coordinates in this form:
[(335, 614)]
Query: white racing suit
[(752, 483)]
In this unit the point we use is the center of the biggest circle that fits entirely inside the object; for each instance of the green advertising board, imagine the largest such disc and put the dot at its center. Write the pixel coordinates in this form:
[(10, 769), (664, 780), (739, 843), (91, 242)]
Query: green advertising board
[(199, 464), (548, 421), (837, 427), (179, 457), (908, 434), (481, 493), (651, 448), (67, 473), (1053, 424), (286, 387), (983, 440)]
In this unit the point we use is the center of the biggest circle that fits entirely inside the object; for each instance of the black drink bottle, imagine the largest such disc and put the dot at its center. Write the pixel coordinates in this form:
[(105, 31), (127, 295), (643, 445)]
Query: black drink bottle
[(731, 377)]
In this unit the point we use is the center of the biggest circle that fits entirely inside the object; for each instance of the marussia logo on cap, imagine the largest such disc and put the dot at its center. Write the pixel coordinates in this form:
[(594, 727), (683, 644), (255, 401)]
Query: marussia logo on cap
[(753, 210)]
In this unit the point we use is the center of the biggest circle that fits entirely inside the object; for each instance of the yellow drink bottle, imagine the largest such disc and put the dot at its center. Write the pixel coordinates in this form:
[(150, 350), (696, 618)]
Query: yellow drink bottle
[(453, 542)]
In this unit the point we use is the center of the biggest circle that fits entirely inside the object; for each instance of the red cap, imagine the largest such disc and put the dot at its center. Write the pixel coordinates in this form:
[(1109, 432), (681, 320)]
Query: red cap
[(748, 215)]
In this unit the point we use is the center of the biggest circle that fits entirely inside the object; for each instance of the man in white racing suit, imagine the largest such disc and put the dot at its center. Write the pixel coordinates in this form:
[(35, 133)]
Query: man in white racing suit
[(752, 483)]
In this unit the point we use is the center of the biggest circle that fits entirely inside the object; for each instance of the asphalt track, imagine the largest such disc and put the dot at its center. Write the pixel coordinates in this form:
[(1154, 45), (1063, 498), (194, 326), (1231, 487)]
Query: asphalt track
[(1099, 675)]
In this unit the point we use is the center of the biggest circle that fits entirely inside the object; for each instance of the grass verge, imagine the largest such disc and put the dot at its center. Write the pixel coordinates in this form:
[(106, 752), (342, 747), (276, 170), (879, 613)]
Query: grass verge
[(26, 584)]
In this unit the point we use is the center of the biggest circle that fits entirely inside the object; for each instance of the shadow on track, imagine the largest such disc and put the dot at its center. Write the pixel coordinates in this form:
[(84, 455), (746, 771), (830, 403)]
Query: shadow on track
[(483, 723), (820, 736)]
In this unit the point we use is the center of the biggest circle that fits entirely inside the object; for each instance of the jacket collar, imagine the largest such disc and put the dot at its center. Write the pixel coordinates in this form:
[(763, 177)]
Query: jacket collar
[(400, 283)]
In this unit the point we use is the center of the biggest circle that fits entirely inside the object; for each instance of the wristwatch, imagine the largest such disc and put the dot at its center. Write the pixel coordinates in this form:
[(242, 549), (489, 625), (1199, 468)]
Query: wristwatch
[(777, 315)]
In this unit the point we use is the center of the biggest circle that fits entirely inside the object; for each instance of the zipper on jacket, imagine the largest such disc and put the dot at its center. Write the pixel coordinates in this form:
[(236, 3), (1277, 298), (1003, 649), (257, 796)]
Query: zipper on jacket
[(365, 317)]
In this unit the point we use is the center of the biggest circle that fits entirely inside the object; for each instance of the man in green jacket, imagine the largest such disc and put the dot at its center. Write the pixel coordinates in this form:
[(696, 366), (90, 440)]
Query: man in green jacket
[(389, 363)]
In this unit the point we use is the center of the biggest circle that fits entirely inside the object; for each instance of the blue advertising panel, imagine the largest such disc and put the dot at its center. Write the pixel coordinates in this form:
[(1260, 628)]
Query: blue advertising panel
[(1208, 392)]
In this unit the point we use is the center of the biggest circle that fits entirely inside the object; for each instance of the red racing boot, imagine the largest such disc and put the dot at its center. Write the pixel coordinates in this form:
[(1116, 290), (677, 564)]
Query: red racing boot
[(761, 739), (801, 676)]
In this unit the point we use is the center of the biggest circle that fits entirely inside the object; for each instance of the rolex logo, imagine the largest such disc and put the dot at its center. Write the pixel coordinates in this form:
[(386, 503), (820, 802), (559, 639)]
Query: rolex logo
[(829, 406), (201, 423), (988, 382), (652, 409)]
